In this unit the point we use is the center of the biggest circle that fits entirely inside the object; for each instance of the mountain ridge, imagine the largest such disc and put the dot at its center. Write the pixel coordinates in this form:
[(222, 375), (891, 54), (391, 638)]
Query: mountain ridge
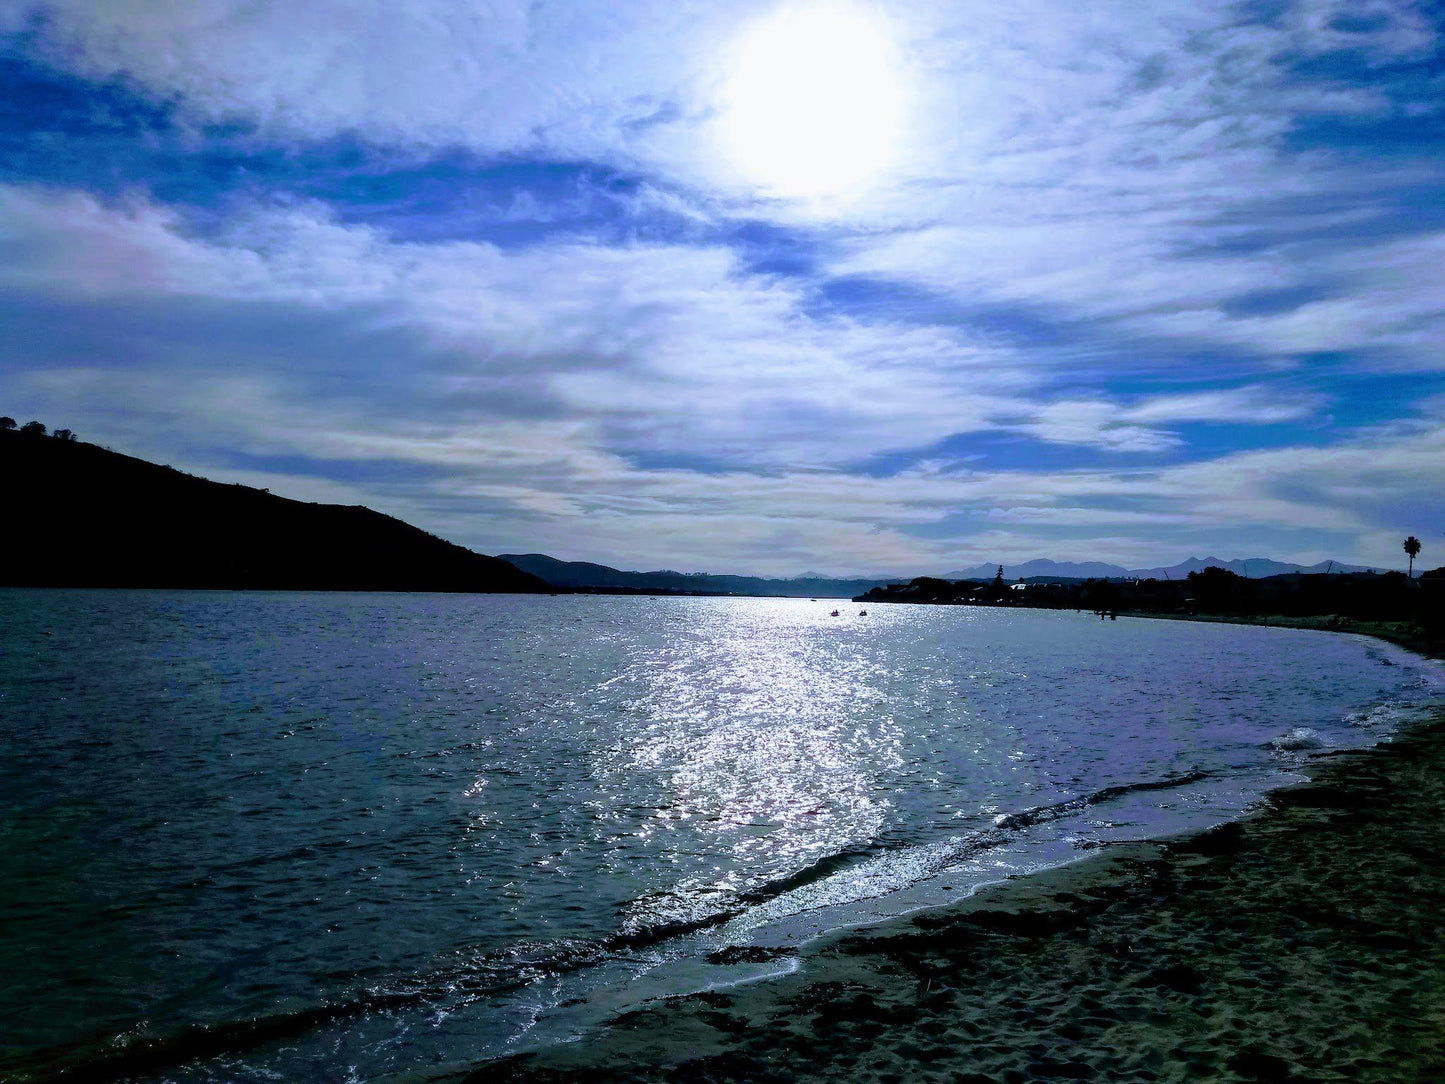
[(589, 575)]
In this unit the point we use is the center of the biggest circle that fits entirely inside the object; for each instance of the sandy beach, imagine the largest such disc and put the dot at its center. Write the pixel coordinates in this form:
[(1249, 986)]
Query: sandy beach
[(1305, 943)]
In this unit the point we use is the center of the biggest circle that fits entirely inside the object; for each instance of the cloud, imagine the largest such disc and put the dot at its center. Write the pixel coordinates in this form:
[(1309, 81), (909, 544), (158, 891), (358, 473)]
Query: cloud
[(666, 345), (1253, 404), (1002, 89), (499, 76)]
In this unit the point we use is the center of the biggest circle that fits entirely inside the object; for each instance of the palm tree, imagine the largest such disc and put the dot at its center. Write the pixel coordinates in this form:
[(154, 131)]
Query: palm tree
[(1412, 547)]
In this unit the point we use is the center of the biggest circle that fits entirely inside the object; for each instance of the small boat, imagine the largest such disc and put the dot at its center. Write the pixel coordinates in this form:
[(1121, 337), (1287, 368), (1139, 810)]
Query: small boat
[(833, 614), (862, 613)]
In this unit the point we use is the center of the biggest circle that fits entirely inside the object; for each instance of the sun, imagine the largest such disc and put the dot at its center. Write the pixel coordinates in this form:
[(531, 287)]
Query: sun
[(814, 102)]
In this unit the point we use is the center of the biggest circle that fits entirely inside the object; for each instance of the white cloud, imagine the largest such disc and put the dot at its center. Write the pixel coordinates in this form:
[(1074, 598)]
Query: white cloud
[(1253, 404), (674, 347), (497, 75), (669, 349)]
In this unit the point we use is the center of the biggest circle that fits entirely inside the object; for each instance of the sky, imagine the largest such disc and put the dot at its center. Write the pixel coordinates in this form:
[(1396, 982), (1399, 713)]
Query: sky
[(754, 286)]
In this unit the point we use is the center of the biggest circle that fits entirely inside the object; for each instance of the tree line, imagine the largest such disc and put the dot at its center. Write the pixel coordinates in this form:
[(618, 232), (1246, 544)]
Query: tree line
[(35, 429)]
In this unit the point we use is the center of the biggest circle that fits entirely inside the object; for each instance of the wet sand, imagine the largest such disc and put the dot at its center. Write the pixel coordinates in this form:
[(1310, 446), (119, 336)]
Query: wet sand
[(1306, 943)]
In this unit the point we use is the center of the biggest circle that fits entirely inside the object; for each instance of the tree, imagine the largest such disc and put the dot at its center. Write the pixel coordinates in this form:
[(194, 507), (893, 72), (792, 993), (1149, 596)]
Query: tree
[(33, 429), (1412, 547), (1218, 589), (7, 423), (66, 435)]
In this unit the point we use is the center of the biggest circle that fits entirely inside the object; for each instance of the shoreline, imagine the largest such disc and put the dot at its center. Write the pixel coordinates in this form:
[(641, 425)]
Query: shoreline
[(1304, 942)]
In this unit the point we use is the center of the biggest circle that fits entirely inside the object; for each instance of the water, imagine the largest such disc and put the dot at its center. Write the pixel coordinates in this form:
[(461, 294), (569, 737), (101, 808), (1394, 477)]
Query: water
[(290, 836)]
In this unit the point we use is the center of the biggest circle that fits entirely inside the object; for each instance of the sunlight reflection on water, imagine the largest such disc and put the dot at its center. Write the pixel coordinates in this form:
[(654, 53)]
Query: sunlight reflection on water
[(773, 749)]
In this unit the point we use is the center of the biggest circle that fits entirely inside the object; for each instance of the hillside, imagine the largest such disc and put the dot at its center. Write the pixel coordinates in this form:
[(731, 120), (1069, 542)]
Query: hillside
[(584, 575), (81, 516)]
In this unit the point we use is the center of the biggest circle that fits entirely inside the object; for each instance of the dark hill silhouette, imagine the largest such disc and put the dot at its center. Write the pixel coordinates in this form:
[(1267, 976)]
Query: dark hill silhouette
[(81, 516)]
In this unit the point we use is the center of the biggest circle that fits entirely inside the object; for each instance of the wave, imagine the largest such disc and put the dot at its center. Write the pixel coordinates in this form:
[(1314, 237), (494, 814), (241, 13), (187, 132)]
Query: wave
[(871, 871), (1058, 810), (643, 934), (861, 872), (1391, 716), (1302, 739)]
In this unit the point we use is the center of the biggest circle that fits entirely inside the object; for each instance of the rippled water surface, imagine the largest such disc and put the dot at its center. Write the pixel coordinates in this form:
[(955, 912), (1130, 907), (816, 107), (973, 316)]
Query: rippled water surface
[(281, 836)]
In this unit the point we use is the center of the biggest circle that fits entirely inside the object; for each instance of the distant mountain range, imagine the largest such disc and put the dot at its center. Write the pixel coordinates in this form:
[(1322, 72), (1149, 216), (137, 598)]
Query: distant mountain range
[(1253, 567), (585, 575), (82, 516), (1081, 570)]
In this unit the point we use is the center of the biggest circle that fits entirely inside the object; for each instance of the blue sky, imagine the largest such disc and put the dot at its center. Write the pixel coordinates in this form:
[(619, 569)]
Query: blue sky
[(1115, 281)]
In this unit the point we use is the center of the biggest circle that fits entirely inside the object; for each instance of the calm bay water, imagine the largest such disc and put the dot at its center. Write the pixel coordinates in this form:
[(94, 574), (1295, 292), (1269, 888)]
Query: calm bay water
[(290, 836)]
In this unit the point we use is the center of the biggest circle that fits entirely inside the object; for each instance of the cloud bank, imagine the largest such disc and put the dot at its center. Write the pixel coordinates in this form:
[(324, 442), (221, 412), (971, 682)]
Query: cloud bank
[(1139, 282)]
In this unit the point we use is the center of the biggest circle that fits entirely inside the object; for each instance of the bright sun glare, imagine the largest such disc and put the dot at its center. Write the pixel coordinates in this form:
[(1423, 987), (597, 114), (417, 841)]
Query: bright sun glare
[(814, 102)]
